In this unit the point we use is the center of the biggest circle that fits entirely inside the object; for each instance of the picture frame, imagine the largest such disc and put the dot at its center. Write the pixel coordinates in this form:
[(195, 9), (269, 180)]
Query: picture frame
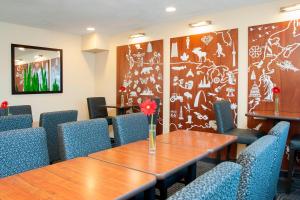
[(36, 70)]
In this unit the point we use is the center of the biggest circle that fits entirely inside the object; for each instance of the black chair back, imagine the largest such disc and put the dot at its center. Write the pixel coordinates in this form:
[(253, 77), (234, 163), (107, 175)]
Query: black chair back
[(95, 109), (224, 116)]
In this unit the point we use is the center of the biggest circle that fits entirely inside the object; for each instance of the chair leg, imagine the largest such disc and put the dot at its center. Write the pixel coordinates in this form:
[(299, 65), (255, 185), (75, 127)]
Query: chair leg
[(228, 153), (218, 159), (290, 172)]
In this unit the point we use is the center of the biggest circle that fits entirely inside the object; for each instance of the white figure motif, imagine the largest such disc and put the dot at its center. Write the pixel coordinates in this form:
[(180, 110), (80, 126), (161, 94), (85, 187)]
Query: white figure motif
[(139, 100), (268, 85), (200, 116), (173, 113), (157, 68), (253, 76), (187, 41), (176, 97), (287, 65), (204, 84), (147, 92), (184, 57), (207, 39), (233, 56), (254, 92), (139, 59), (230, 92), (146, 70), (205, 108), (174, 50), (133, 94), (179, 68), (196, 102), (136, 72), (130, 58), (181, 113), (152, 79), (144, 81), (188, 95), (255, 51), (190, 74), (219, 50), (158, 88), (201, 55), (231, 78), (188, 108), (190, 118), (213, 124), (149, 47)]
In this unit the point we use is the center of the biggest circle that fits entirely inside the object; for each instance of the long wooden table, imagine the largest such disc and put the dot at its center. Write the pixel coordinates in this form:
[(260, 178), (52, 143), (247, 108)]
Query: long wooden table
[(176, 152), (80, 178), (271, 115)]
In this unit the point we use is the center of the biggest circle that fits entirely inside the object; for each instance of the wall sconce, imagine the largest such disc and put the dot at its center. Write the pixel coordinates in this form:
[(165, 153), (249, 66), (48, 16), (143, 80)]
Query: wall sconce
[(199, 24), (137, 35), (290, 8)]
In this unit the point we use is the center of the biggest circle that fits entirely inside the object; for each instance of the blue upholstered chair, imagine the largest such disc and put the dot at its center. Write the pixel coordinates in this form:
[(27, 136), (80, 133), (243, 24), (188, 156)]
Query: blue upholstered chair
[(130, 128), (225, 124), (50, 121), (22, 150), (2, 112), (281, 131), (220, 183), (82, 138), (294, 149), (257, 160), (12, 122), (20, 110)]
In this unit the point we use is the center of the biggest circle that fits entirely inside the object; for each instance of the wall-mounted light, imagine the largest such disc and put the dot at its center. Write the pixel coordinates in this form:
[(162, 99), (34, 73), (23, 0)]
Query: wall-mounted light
[(199, 24), (137, 35), (170, 9), (90, 28), (290, 8)]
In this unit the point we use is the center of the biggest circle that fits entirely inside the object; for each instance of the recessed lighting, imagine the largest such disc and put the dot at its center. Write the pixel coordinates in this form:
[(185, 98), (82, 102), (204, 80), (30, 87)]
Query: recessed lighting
[(290, 8), (202, 23), (138, 35), (170, 9), (90, 29), (21, 48)]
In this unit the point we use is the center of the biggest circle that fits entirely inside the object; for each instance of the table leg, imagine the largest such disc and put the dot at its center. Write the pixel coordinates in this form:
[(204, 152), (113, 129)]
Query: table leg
[(163, 189), (150, 193), (191, 174)]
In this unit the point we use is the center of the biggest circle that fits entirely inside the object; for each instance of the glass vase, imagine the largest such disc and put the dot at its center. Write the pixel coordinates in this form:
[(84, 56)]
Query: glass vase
[(276, 104), (152, 138), (122, 100)]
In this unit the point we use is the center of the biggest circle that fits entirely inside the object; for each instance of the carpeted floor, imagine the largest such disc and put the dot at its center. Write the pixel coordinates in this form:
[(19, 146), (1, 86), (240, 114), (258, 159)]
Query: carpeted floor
[(203, 167)]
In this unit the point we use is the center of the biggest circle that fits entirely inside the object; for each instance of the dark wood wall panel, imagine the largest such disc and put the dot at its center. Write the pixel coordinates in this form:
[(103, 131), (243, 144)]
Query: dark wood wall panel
[(273, 55), (204, 68), (140, 70)]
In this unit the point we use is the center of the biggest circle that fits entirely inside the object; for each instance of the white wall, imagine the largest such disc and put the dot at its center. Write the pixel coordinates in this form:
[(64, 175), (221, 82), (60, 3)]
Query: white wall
[(239, 18), (78, 70)]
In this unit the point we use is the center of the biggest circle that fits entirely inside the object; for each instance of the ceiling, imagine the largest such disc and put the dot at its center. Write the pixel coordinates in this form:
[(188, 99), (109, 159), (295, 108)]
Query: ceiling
[(107, 16)]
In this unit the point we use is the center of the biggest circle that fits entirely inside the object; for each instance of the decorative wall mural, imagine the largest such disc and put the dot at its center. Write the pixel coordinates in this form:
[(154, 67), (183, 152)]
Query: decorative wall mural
[(140, 70), (274, 61), (204, 68)]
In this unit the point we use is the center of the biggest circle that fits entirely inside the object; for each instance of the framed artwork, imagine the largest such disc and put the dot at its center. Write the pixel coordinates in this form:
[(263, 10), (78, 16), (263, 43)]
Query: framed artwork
[(36, 70), (204, 69), (140, 71)]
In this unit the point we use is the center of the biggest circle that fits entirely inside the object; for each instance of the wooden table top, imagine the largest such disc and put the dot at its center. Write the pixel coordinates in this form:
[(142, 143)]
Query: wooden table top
[(212, 142), (271, 115), (80, 178), (167, 160)]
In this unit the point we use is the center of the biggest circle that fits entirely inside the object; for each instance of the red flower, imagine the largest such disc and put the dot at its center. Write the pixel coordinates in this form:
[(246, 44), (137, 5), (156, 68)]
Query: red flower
[(4, 105), (122, 88), (148, 107), (276, 90)]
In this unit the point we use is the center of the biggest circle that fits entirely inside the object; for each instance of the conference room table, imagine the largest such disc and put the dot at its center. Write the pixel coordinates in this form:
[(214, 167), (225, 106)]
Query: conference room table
[(176, 154), (78, 179), (288, 116)]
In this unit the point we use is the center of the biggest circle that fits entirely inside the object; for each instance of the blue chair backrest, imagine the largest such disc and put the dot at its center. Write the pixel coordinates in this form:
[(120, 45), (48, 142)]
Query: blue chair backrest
[(12, 122), (50, 121), (281, 131), (77, 139), (224, 117), (130, 128), (3, 112), (220, 183), (22, 150), (20, 110), (256, 161)]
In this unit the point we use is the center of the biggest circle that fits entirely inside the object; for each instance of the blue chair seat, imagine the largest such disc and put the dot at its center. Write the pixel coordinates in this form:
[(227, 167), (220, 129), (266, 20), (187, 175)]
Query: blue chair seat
[(219, 183), (245, 136), (295, 142)]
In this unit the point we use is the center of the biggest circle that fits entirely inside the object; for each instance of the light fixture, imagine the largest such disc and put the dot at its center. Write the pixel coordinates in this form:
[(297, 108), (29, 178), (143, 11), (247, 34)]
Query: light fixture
[(170, 9), (290, 8), (202, 23), (137, 35), (21, 48), (90, 29)]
